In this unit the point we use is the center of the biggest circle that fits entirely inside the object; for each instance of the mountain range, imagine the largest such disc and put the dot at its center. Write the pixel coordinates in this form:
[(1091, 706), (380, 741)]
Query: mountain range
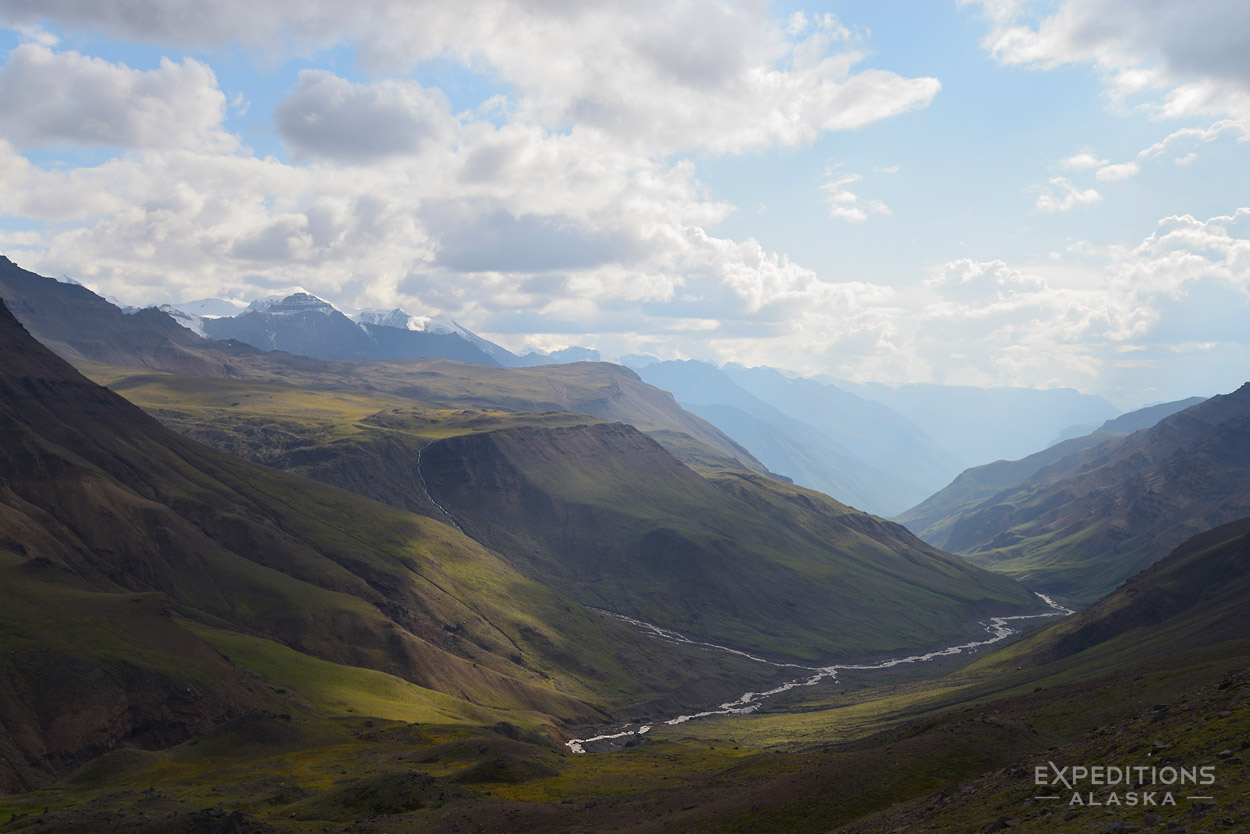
[(188, 555), (396, 621), (1080, 518)]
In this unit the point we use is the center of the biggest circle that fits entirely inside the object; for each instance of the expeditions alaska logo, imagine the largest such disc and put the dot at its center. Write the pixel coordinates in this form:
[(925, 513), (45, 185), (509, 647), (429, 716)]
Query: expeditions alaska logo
[(1124, 786)]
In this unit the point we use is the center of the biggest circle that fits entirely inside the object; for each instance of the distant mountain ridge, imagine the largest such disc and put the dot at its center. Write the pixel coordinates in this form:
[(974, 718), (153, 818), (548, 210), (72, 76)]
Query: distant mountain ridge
[(1083, 523), (981, 425), (932, 518), (304, 324), (858, 452), (287, 321), (89, 331)]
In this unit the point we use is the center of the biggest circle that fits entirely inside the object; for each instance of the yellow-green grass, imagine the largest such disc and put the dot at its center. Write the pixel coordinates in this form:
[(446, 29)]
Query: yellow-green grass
[(342, 691)]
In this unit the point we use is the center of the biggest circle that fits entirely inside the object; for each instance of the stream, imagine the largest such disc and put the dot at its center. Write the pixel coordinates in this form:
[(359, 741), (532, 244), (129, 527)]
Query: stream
[(997, 627)]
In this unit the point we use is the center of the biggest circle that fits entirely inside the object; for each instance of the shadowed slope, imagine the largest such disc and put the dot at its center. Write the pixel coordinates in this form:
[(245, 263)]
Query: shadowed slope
[(124, 547), (608, 516)]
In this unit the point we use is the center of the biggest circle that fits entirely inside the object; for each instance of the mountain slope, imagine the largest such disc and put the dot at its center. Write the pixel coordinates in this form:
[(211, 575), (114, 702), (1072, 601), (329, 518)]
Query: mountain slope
[(1082, 525), (932, 518), (129, 554), (81, 326), (607, 516)]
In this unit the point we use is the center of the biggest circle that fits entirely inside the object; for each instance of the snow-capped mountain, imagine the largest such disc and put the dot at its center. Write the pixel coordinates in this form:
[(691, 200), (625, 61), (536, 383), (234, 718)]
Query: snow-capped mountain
[(391, 318), (292, 301), (298, 321), (190, 321), (209, 308)]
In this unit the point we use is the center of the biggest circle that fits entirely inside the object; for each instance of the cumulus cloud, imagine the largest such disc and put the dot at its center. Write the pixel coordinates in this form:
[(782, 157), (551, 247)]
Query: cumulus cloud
[(327, 116), (664, 77), (1190, 56), (1064, 196), (65, 98), (1117, 172)]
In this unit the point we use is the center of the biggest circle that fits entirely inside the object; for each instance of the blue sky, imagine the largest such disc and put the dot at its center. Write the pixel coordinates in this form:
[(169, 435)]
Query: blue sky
[(992, 193)]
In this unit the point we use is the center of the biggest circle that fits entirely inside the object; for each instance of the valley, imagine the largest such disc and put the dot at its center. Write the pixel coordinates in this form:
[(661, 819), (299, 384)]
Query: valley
[(255, 591)]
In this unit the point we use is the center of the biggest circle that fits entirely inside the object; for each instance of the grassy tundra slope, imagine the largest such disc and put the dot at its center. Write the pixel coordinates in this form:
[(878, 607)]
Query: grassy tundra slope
[(135, 560), (601, 512)]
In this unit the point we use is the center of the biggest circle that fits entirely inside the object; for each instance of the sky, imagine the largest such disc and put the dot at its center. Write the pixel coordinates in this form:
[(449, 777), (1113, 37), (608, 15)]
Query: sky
[(980, 192)]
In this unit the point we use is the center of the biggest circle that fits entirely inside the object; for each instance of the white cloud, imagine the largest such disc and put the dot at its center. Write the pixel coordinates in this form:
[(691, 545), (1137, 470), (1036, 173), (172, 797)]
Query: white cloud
[(1081, 161), (65, 98), (1190, 56), (1117, 172), (845, 204), (661, 76), (1064, 196), (327, 116)]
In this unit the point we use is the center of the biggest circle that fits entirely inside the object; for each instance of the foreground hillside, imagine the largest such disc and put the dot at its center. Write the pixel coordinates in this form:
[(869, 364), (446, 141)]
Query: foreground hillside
[(154, 589), (1163, 683)]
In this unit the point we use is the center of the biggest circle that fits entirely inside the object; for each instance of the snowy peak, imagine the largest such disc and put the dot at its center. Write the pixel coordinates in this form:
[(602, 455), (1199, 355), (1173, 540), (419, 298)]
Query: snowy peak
[(442, 324), (390, 318), (190, 321), (209, 308), (291, 301)]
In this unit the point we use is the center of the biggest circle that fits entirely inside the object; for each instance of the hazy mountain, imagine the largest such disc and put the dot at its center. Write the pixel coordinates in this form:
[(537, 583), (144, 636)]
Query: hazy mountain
[(811, 453), (876, 434), (1142, 418), (533, 358), (1084, 523), (980, 425), (932, 518)]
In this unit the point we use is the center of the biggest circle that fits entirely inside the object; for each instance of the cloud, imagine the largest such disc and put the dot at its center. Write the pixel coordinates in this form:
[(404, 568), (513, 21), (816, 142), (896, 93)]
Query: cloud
[(1189, 56), (1067, 198), (330, 117), (845, 204), (65, 98), (662, 77), (1081, 161), (497, 241), (1117, 172)]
